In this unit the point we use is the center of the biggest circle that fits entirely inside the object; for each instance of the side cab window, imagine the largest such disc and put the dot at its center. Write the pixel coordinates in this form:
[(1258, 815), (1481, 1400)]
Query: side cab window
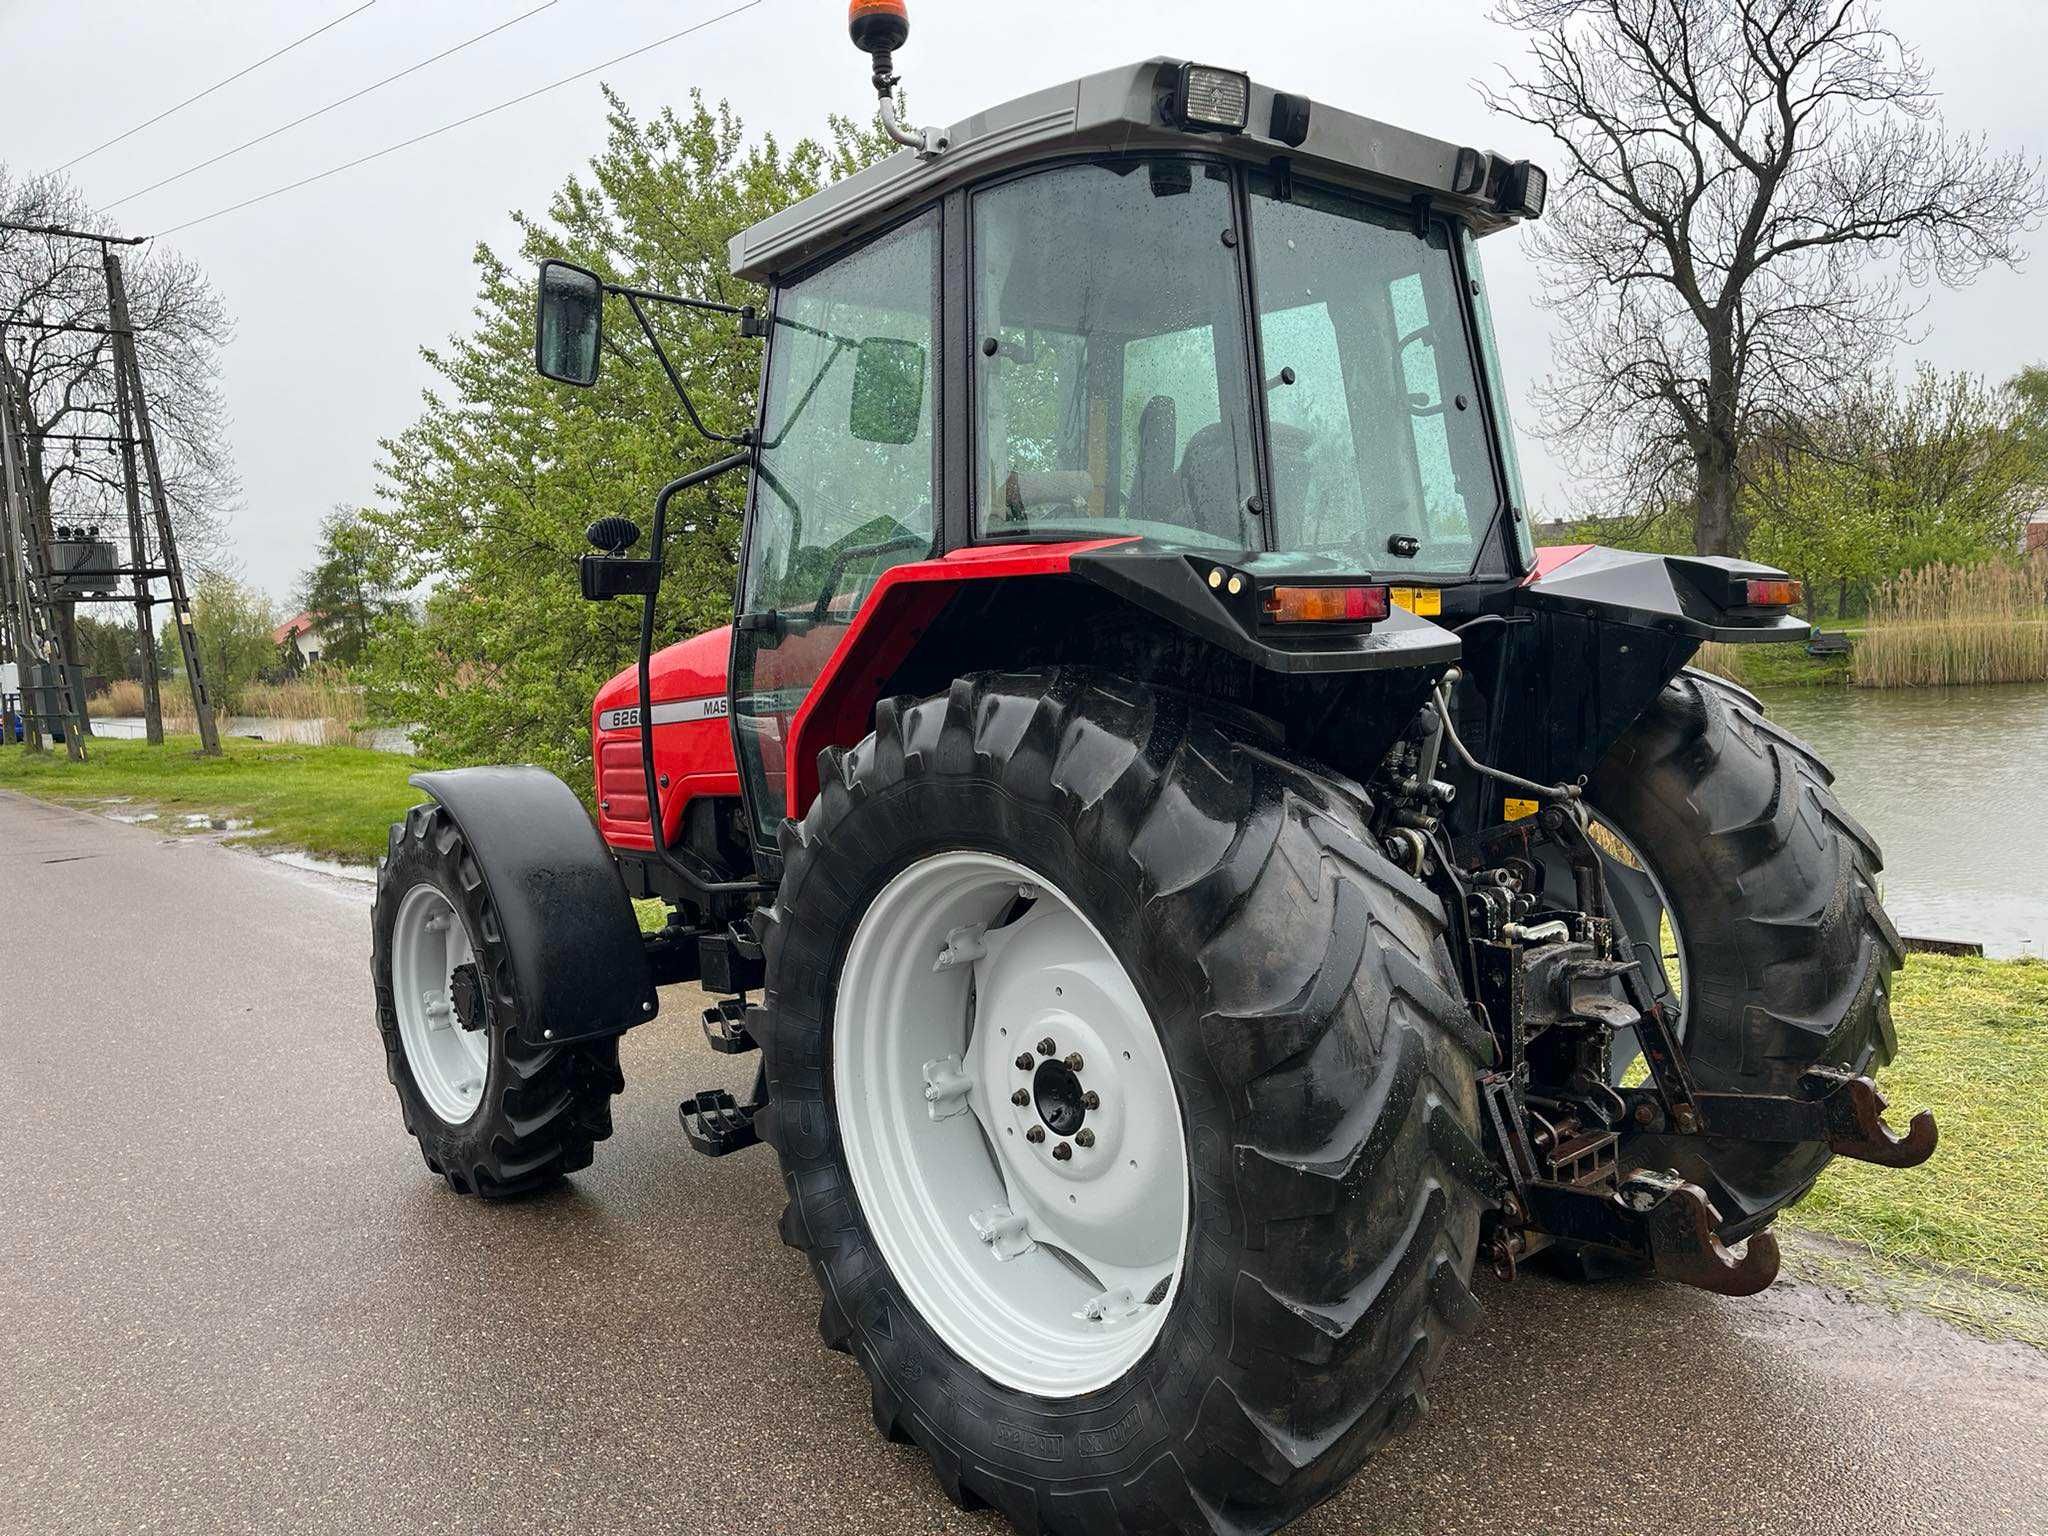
[(845, 485)]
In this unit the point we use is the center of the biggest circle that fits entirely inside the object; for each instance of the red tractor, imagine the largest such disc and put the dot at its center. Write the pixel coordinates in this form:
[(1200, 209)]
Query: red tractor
[(1208, 881)]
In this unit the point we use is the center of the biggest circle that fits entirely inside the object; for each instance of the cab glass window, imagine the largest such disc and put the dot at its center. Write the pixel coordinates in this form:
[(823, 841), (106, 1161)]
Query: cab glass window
[(844, 487), (1110, 362), (1378, 435)]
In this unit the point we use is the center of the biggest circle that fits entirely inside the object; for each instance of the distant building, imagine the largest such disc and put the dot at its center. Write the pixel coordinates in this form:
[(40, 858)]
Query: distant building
[(2034, 538), (302, 632)]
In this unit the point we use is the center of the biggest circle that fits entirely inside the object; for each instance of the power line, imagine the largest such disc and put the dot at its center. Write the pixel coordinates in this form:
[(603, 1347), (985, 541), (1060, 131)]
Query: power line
[(421, 138), (231, 79), (342, 102)]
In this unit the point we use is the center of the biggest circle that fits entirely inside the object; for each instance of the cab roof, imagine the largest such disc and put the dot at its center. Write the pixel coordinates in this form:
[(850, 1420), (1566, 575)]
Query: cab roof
[(1118, 110)]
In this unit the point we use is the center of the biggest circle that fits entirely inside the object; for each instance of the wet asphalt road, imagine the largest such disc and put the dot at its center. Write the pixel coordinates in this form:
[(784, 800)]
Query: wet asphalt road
[(232, 1298)]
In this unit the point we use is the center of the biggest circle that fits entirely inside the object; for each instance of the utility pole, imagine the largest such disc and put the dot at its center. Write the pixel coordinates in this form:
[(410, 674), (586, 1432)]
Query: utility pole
[(61, 644), (145, 629), (31, 574), (127, 366), (31, 535), (14, 571)]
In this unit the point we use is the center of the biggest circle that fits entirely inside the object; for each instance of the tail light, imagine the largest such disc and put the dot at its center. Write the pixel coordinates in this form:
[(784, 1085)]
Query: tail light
[(1325, 605), (1772, 592)]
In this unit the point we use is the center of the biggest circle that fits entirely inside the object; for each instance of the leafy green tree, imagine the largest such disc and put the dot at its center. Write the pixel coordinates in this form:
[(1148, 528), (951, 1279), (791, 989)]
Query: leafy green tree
[(488, 493), (348, 588), (1892, 479), (2030, 389), (106, 647), (233, 623)]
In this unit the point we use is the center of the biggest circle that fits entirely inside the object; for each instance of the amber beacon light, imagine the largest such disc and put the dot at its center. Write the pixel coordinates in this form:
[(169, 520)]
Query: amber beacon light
[(878, 26)]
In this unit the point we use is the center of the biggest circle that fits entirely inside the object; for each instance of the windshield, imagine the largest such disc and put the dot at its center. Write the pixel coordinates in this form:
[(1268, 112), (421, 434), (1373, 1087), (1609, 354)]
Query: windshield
[(1115, 386)]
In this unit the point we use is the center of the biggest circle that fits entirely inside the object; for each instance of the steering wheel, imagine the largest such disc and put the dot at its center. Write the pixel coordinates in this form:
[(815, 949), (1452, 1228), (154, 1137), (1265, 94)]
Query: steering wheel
[(844, 553)]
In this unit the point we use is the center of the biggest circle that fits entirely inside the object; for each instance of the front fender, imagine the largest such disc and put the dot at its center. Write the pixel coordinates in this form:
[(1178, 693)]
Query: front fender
[(579, 968)]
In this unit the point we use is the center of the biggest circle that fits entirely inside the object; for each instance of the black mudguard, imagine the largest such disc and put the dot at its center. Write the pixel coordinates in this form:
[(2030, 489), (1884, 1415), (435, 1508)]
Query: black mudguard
[(578, 964), (1579, 653)]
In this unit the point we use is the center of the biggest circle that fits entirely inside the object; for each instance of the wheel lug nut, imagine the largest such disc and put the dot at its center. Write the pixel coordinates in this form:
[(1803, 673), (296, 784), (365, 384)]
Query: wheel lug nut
[(1062, 1152), (1046, 1047), (1084, 1137), (1091, 1100), (1020, 1098), (1035, 1135), (1074, 1062), (1024, 1062)]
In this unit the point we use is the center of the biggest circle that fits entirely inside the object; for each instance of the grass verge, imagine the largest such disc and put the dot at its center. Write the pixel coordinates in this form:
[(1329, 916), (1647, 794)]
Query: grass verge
[(333, 802), (1773, 666), (1973, 1047)]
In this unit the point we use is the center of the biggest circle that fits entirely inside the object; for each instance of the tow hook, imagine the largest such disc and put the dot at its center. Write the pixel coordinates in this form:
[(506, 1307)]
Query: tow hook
[(1679, 1222)]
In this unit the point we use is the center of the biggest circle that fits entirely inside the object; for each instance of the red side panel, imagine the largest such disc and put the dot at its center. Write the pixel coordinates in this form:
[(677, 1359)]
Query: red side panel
[(839, 709), (1552, 556), (692, 748)]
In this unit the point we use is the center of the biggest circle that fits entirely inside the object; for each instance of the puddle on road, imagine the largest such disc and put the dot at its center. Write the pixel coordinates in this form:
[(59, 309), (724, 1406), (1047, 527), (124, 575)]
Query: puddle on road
[(205, 822), (360, 874), (132, 818)]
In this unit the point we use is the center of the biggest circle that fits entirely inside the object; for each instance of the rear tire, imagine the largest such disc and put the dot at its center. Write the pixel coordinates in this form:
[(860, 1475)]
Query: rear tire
[(1787, 954), (1323, 1065), (537, 1113)]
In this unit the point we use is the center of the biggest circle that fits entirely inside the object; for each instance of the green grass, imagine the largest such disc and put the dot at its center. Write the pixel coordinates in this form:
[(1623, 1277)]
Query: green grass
[(1973, 1047), (333, 802), (1773, 665)]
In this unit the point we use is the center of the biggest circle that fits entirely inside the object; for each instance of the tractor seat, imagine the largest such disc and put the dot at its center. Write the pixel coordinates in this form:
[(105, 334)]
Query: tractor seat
[(1155, 488), (1210, 479)]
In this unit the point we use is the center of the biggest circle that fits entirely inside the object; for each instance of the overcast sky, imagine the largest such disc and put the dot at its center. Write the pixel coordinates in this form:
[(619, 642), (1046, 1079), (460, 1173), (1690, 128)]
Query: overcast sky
[(335, 287)]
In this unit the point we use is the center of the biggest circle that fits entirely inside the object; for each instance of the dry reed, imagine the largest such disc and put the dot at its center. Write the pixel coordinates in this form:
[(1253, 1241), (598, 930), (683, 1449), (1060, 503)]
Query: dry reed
[(1946, 625), (121, 699), (324, 696)]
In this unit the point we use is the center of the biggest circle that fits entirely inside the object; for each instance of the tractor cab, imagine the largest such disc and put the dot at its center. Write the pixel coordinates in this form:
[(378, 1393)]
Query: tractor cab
[(1163, 306)]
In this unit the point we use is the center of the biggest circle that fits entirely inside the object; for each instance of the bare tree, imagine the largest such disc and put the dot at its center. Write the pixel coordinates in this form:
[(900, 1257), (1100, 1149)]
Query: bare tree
[(1753, 190), (66, 377)]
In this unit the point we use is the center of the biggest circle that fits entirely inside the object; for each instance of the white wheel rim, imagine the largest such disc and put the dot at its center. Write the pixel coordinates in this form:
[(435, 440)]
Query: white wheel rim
[(449, 1063), (1050, 1273)]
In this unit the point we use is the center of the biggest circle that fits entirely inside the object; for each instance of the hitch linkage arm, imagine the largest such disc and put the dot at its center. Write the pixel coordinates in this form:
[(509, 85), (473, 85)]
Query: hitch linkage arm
[(1841, 1108)]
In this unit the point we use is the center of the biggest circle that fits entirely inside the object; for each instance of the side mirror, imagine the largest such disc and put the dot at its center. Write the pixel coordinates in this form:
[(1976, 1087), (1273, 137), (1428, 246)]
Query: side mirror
[(570, 324), (888, 391)]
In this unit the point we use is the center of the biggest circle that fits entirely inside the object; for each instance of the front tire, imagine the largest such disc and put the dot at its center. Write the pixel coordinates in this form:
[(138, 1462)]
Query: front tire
[(1321, 1065), (492, 1116)]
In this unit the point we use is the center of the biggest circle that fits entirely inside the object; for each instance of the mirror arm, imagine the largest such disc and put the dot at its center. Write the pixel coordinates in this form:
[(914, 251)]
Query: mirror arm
[(632, 298), (714, 306), (657, 831)]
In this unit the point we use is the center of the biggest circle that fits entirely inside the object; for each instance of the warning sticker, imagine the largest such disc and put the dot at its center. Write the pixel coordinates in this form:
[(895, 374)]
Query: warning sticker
[(1424, 602), (1515, 810)]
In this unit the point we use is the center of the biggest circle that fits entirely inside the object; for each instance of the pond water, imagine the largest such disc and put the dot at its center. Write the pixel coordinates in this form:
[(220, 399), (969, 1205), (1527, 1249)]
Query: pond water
[(1950, 781)]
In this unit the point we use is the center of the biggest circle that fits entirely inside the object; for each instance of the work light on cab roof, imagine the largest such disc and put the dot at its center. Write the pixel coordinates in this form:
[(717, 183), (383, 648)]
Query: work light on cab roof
[(1198, 879)]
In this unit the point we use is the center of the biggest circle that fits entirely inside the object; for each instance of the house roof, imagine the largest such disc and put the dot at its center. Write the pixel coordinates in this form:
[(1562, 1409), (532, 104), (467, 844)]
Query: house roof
[(293, 627)]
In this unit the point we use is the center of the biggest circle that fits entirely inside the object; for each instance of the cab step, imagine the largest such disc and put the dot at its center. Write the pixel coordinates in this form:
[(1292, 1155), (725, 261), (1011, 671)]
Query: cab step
[(725, 1027), (717, 1123)]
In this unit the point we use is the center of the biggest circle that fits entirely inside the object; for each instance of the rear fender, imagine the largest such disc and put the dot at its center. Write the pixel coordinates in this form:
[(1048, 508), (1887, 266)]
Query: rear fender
[(1122, 605), (1589, 640), (579, 968)]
